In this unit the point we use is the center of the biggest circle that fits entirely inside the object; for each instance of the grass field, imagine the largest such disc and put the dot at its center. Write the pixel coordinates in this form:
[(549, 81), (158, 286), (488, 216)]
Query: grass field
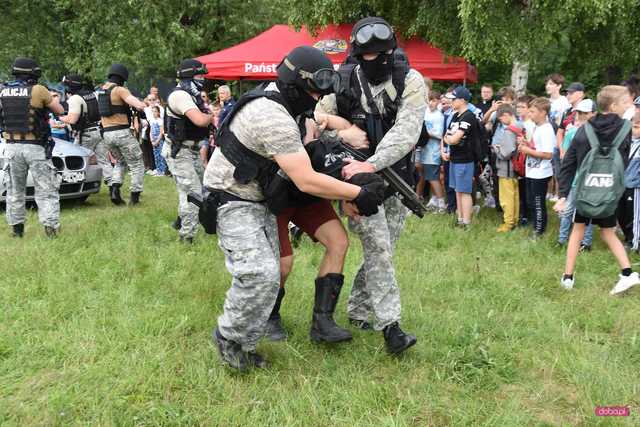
[(110, 325)]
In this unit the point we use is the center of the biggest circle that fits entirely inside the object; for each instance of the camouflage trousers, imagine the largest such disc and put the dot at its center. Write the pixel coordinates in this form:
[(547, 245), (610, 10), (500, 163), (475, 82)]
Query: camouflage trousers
[(187, 170), (375, 288), (23, 158), (94, 142), (123, 145), (248, 237)]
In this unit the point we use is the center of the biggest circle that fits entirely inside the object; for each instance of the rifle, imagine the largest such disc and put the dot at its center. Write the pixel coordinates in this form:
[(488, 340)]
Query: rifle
[(406, 193)]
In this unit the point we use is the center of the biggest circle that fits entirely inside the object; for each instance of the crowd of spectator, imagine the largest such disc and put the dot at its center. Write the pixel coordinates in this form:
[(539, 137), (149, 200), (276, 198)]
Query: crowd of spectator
[(515, 153)]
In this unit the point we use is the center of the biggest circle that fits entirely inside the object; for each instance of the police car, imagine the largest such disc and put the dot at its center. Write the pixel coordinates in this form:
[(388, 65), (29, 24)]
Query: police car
[(79, 174)]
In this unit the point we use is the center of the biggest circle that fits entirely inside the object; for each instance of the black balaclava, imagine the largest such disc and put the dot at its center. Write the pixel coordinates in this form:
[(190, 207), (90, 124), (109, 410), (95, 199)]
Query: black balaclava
[(377, 70)]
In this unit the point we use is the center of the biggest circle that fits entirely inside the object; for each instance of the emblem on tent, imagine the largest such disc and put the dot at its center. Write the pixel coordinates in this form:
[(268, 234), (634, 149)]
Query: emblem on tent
[(331, 46)]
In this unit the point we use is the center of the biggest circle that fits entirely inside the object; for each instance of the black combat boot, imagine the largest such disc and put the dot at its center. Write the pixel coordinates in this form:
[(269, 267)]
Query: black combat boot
[(135, 198), (274, 330), (50, 232), (177, 224), (187, 240), (397, 341), (323, 327), (230, 352), (18, 230), (114, 192)]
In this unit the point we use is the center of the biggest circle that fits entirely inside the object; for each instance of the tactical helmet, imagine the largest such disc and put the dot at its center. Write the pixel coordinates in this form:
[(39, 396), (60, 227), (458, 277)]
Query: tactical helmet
[(308, 69), (119, 70), (73, 82), (26, 66), (190, 68), (371, 35)]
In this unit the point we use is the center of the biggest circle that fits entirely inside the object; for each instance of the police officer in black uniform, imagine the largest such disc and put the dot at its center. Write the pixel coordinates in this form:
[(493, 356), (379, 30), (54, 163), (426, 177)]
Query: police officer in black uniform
[(24, 120)]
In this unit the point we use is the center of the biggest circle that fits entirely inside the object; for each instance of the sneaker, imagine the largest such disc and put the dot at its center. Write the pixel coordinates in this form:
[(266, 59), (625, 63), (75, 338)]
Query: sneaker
[(553, 198), (432, 205), (566, 283), (150, 172), (489, 202), (584, 248), (504, 228), (625, 283), (476, 209)]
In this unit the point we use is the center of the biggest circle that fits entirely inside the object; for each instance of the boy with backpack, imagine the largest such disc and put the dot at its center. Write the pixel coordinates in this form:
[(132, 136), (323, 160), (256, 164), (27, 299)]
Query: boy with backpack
[(597, 159), (507, 177)]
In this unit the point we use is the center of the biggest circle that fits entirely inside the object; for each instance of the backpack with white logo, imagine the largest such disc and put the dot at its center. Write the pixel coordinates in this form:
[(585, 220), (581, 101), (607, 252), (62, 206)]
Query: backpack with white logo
[(600, 177)]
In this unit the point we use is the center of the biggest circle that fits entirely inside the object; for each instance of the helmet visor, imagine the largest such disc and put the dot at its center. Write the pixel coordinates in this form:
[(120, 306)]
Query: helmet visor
[(379, 31), (324, 81)]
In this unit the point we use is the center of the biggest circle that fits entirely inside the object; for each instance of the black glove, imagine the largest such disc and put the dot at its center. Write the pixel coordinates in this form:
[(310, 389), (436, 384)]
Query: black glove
[(371, 193)]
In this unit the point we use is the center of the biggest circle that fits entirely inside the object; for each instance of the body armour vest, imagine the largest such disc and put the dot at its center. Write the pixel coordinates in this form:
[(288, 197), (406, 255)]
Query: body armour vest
[(91, 117), (376, 125), (250, 165), (105, 107), (18, 117), (180, 128)]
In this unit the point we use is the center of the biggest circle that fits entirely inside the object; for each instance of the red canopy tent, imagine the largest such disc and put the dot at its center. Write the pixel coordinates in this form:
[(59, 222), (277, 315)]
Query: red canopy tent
[(257, 58)]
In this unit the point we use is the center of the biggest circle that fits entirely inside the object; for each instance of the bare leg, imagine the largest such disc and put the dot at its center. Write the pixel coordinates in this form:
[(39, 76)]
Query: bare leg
[(608, 235), (573, 247), (333, 237)]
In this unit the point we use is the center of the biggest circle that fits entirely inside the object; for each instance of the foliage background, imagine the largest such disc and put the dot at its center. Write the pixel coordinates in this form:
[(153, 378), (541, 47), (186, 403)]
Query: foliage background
[(593, 41)]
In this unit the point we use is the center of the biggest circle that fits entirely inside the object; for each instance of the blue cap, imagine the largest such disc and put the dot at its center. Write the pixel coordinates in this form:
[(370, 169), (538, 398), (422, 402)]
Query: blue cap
[(460, 92)]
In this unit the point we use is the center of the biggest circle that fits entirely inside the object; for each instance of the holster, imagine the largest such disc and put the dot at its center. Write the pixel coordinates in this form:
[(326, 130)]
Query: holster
[(48, 148)]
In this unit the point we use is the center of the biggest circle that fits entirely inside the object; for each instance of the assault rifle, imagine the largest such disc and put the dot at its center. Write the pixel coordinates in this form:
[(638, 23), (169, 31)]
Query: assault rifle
[(406, 193)]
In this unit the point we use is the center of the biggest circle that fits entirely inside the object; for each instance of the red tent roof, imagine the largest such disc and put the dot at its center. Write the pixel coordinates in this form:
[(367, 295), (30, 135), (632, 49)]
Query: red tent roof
[(257, 58)]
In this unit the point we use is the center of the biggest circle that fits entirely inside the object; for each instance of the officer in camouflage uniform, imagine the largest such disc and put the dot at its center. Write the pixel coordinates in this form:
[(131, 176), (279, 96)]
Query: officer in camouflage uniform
[(84, 118), (187, 124), (24, 119), (260, 132), (371, 102), (113, 102)]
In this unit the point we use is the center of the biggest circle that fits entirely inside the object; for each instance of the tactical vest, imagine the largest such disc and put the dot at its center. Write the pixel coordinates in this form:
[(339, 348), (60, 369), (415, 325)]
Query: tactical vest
[(18, 117), (105, 107), (250, 165), (91, 117), (180, 128), (349, 105)]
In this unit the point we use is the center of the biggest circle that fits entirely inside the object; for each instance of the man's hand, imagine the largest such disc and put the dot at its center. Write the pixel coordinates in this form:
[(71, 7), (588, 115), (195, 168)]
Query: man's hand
[(371, 193), (560, 205), (350, 210), (355, 137), (355, 167), (524, 148)]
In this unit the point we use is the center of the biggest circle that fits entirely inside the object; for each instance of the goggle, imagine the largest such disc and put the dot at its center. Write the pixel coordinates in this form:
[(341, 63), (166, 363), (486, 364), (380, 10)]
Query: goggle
[(379, 31), (636, 101), (195, 71), (323, 81)]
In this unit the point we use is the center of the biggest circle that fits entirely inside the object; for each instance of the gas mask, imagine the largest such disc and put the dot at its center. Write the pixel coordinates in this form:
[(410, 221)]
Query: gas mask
[(377, 70)]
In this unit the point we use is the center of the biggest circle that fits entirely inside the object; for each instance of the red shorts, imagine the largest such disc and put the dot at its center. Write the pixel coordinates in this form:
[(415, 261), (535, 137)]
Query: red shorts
[(309, 218)]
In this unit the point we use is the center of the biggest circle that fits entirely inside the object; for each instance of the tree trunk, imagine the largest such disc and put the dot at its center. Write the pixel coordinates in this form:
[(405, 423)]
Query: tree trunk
[(519, 76)]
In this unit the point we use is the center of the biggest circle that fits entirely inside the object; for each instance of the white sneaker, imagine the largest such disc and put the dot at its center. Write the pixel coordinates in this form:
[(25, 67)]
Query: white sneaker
[(625, 283), (566, 283), (476, 209), (553, 198), (432, 204), (490, 202)]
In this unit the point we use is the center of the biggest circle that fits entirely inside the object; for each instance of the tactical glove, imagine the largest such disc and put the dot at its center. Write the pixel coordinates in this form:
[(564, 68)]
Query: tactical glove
[(371, 193)]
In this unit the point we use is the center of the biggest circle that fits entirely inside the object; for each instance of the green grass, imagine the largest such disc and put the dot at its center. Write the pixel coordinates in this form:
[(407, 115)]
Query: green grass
[(110, 325)]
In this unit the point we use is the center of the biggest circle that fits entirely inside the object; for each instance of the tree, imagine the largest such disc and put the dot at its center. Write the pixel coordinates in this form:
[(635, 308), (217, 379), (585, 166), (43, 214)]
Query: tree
[(523, 33), (151, 38)]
